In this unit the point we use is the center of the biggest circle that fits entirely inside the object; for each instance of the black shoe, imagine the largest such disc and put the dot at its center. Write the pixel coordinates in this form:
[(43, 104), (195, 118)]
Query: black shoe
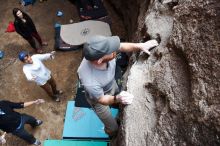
[(37, 142), (38, 123)]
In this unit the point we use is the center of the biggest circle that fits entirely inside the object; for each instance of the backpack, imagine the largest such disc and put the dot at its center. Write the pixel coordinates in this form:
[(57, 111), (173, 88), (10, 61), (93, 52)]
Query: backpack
[(11, 27)]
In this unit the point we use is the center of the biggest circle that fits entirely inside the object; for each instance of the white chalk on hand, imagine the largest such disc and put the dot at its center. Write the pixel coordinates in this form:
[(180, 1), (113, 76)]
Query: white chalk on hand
[(125, 97)]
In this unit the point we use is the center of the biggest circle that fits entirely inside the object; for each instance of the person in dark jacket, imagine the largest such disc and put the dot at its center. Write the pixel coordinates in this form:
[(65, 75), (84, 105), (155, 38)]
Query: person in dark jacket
[(26, 28), (13, 122)]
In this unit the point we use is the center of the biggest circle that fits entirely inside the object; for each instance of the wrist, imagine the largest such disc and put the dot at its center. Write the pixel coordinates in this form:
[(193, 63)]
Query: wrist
[(115, 99), (35, 101)]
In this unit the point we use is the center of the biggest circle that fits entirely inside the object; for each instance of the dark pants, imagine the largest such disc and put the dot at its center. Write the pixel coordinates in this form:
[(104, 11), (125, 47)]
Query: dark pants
[(22, 133), (32, 42), (51, 84)]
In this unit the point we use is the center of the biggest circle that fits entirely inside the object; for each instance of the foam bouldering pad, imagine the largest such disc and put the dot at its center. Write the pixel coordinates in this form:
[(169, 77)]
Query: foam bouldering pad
[(61, 45), (79, 33), (83, 123), (74, 143)]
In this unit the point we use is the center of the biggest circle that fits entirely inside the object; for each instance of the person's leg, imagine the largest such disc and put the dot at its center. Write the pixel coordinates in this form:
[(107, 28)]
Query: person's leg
[(31, 41), (56, 93), (31, 120), (37, 36), (47, 88), (53, 85), (104, 114), (23, 134)]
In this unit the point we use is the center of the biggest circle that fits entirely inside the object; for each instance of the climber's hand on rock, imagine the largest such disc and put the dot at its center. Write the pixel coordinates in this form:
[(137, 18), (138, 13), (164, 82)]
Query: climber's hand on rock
[(125, 97)]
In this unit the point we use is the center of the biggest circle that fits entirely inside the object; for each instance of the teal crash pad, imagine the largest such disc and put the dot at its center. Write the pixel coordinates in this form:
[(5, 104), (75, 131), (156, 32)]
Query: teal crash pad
[(82, 123), (73, 143)]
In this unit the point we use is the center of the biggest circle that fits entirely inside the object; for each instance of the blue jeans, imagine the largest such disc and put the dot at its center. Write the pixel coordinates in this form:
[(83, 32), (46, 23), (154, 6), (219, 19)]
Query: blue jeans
[(21, 132)]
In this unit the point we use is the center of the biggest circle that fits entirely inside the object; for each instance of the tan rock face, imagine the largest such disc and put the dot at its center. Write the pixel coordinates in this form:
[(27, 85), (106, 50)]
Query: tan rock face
[(177, 93)]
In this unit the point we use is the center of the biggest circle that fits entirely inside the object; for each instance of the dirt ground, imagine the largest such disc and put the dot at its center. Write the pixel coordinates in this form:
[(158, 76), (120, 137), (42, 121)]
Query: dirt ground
[(13, 84)]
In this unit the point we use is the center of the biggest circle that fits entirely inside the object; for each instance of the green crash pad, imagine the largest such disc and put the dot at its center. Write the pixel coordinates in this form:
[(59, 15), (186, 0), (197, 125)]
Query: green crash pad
[(73, 143)]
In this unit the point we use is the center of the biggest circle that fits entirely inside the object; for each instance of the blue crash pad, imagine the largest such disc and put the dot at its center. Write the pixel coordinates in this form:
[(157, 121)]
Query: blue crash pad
[(83, 123), (73, 143)]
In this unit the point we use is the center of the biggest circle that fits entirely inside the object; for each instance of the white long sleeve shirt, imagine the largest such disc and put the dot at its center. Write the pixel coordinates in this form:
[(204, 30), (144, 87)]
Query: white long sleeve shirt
[(37, 71)]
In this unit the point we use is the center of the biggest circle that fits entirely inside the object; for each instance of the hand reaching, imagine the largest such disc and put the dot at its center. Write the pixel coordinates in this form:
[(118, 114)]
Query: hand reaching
[(148, 45), (2, 138), (125, 98), (52, 54), (38, 101)]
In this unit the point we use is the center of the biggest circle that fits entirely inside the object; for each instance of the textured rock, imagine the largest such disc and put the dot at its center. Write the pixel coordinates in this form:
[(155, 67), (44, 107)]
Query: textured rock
[(196, 34), (177, 88)]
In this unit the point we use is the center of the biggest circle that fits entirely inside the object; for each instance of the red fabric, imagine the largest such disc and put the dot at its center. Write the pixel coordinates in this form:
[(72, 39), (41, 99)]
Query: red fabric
[(11, 27)]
